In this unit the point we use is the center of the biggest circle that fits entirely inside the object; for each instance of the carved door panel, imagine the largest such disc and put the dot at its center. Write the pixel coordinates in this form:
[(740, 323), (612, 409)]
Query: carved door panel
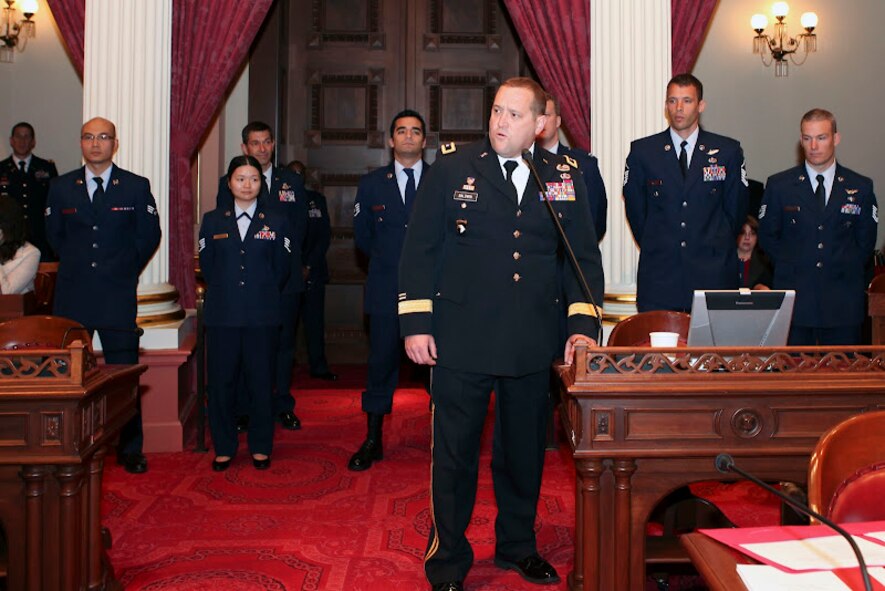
[(351, 66)]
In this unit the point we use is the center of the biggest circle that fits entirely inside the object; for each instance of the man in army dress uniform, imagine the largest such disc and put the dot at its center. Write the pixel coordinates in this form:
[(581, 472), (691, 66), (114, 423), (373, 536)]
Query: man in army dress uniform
[(479, 301), (685, 194), (25, 177), (818, 224)]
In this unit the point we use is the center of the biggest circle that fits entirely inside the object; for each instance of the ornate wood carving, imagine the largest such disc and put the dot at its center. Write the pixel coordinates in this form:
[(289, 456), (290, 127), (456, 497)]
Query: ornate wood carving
[(459, 103), (344, 109), (471, 24), (346, 22)]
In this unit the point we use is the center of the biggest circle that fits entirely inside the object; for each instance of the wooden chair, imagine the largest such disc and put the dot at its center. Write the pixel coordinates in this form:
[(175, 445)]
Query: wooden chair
[(35, 332), (633, 331), (44, 287), (846, 476)]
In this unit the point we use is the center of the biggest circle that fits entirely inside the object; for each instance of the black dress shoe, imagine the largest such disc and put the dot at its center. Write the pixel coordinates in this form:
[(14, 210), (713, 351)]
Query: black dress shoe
[(449, 586), (370, 451), (242, 423), (289, 421), (221, 465), (533, 569), (261, 464), (325, 375), (133, 463)]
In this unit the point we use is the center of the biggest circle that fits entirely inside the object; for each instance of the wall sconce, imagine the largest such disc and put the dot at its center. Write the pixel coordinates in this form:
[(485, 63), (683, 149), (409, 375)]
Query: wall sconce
[(16, 34), (780, 46)]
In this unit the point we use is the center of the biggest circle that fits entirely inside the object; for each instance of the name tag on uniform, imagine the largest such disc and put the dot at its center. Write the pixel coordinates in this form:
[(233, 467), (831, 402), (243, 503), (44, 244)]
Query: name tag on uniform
[(791, 208), (265, 233), (714, 173), (220, 236), (564, 191), (69, 211), (287, 196), (851, 209), (470, 196), (378, 208), (314, 212)]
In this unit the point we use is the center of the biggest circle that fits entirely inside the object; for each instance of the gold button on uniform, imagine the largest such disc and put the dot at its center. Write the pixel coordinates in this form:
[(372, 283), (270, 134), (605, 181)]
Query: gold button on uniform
[(516, 234), (516, 277), (516, 256)]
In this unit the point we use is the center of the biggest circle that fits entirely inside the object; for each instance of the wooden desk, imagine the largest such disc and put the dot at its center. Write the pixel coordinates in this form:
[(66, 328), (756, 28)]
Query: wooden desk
[(644, 422), (58, 414), (716, 562)]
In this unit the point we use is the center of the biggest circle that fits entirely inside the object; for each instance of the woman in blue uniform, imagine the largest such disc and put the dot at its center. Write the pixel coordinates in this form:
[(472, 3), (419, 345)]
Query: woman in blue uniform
[(245, 252)]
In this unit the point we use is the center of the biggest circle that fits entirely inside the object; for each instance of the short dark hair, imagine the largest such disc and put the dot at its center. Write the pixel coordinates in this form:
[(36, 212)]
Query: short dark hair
[(539, 99), (554, 100), (686, 79), (407, 113), (238, 161), (12, 224), (297, 166), (24, 124), (818, 114), (256, 126)]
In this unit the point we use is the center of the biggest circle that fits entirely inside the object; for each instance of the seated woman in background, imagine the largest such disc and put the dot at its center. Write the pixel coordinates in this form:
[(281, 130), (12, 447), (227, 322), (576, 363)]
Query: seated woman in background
[(754, 268), (19, 259)]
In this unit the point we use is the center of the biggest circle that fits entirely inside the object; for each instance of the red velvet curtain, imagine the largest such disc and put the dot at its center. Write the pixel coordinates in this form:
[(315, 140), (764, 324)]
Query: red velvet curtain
[(691, 18), (210, 40), (70, 16), (562, 60)]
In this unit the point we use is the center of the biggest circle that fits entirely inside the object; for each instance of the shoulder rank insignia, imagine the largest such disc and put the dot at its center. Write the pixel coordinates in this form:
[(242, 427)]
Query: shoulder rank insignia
[(572, 162), (448, 148)]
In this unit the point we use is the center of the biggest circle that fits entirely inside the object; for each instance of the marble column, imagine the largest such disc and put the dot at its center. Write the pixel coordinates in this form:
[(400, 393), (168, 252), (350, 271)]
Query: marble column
[(630, 65), (127, 78)]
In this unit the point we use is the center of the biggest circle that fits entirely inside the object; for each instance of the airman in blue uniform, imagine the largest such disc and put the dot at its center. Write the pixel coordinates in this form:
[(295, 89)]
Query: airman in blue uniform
[(245, 256), (686, 197), (381, 213), (818, 224), (479, 301), (286, 193), (25, 177), (103, 223)]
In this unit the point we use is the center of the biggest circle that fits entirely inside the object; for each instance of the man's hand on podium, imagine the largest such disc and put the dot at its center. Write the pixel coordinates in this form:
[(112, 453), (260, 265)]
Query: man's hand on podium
[(569, 354)]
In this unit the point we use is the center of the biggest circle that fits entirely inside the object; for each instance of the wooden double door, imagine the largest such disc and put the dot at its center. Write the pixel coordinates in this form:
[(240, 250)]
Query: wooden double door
[(330, 74)]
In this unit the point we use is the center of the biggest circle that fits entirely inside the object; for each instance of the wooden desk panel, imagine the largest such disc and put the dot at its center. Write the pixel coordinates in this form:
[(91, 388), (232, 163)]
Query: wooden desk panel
[(716, 562), (644, 422)]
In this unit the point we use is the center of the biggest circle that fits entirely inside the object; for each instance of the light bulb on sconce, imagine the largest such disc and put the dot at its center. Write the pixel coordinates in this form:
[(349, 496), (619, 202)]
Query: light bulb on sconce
[(779, 47)]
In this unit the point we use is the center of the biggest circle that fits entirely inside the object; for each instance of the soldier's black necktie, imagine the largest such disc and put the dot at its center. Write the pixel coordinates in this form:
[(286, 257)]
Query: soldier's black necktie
[(22, 166), (510, 166), (820, 193), (98, 194), (244, 215), (683, 158), (411, 190)]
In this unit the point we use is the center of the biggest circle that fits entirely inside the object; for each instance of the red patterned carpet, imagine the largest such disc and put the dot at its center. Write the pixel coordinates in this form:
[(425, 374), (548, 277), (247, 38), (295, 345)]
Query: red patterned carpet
[(308, 523)]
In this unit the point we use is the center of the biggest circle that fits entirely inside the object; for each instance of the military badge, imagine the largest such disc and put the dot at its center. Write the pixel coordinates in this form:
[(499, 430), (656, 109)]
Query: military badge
[(702, 147), (668, 147), (712, 160), (123, 208), (356, 210), (461, 226), (565, 176), (852, 191), (841, 179), (468, 196), (152, 210), (572, 162), (389, 175), (448, 148), (265, 233), (115, 182), (41, 175), (78, 182), (714, 173), (315, 213), (762, 211), (712, 152), (287, 196), (744, 174), (851, 209), (562, 168), (202, 244), (287, 244), (564, 191)]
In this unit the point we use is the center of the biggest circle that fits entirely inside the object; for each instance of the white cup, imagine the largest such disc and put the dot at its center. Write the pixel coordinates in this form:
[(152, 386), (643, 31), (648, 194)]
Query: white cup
[(664, 339)]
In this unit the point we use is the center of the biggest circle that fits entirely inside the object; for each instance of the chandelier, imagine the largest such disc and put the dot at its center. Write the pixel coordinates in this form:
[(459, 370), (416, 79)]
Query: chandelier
[(15, 35), (779, 47)]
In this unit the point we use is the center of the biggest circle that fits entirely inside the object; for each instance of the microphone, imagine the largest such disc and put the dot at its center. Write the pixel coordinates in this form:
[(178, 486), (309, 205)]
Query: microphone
[(725, 464), (137, 331), (527, 158)]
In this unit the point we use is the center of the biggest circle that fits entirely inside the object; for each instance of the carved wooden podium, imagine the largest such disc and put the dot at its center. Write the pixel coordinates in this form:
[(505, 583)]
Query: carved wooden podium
[(644, 422), (58, 414)]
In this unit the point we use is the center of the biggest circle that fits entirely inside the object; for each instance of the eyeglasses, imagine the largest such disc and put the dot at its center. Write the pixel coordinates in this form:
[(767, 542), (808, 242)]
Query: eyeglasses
[(102, 137)]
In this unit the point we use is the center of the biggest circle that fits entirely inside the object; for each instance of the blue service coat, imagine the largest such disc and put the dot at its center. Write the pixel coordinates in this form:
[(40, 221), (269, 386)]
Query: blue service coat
[(686, 228), (820, 254), (30, 190), (379, 226), (319, 236), (244, 278), (101, 253), (596, 194), (287, 193), (479, 271)]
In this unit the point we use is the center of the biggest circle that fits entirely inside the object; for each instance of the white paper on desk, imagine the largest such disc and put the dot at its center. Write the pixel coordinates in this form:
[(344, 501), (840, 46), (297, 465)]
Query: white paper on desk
[(761, 577), (824, 553), (878, 535)]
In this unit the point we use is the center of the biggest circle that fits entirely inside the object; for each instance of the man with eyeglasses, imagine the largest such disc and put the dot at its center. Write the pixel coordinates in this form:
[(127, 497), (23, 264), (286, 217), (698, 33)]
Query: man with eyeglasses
[(103, 223), (25, 177)]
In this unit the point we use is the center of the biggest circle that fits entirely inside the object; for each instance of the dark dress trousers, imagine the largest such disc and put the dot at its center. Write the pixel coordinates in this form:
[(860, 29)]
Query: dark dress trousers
[(102, 251), (821, 254), (30, 190), (287, 194), (479, 273), (244, 280), (379, 226), (685, 227)]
